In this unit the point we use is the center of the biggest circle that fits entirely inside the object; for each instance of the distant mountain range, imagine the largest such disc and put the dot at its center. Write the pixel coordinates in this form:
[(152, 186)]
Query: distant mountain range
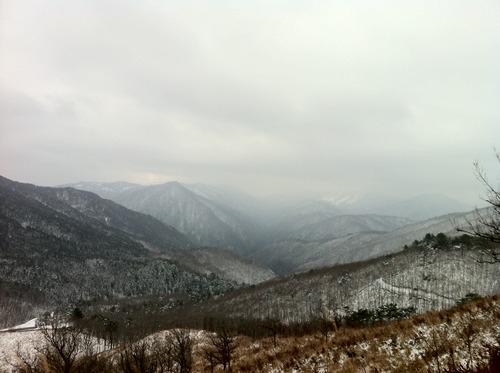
[(64, 246), (285, 237), (363, 238), (421, 207), (203, 215)]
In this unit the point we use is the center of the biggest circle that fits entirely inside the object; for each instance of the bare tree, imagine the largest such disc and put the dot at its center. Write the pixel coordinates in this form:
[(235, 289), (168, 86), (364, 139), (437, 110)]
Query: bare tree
[(141, 356), (63, 345), (274, 326), (183, 350), (66, 348), (210, 354), (223, 344), (162, 352), (486, 222), (174, 353)]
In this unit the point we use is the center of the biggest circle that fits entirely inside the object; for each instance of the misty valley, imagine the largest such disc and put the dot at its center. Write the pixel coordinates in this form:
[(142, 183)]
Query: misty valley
[(120, 277)]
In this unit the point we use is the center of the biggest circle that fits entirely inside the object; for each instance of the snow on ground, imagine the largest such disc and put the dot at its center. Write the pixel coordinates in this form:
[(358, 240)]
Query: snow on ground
[(423, 342), (13, 344), (31, 324)]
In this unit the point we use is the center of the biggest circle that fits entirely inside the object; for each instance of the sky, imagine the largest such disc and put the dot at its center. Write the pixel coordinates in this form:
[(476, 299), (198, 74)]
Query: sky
[(270, 97)]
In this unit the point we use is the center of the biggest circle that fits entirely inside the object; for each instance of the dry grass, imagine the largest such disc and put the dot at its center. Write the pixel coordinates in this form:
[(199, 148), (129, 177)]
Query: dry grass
[(451, 340), (462, 339)]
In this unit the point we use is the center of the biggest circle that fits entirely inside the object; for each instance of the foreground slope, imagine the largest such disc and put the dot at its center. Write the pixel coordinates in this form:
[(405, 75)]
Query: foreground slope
[(461, 339)]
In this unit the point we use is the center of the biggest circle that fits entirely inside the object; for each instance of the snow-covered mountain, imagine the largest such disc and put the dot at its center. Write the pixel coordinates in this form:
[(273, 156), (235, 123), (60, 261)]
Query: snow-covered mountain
[(343, 225), (247, 204), (425, 276), (209, 216), (304, 213), (340, 228), (423, 207), (420, 207), (344, 198), (206, 222), (104, 190), (223, 263), (61, 245)]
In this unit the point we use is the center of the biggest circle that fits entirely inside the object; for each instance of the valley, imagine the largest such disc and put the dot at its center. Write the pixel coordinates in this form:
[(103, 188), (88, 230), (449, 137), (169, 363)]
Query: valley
[(146, 259)]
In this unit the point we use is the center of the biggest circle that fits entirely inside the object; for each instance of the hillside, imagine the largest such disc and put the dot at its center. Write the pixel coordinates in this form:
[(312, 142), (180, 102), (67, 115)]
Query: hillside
[(422, 207), (104, 190), (350, 238), (205, 222), (419, 207), (287, 236), (462, 339), (223, 263), (425, 276), (60, 246), (70, 214), (106, 265)]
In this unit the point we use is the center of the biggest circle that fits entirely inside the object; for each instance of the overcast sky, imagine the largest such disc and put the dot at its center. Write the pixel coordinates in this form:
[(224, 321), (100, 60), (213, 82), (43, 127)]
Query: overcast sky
[(265, 96)]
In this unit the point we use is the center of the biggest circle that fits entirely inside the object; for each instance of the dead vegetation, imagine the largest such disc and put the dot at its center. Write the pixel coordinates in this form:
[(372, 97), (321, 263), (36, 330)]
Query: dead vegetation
[(463, 339)]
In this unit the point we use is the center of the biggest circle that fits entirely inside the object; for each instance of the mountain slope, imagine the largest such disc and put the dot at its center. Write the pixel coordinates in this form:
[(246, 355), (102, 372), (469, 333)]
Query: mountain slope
[(422, 207), (66, 246), (290, 237), (67, 208), (304, 252), (104, 190), (223, 263), (425, 276), (205, 222), (249, 205), (343, 225)]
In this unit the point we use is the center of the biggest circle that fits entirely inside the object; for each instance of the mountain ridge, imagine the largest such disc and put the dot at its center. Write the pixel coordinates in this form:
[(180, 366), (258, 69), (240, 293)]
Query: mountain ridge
[(284, 237), (68, 246)]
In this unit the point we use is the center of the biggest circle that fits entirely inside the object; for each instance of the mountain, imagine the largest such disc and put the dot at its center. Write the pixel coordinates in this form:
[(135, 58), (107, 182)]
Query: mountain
[(104, 190), (426, 276), (343, 225), (340, 228), (69, 214), (424, 206), (344, 199), (204, 221), (61, 246), (223, 263), (346, 239), (421, 207), (249, 205), (209, 216), (302, 214)]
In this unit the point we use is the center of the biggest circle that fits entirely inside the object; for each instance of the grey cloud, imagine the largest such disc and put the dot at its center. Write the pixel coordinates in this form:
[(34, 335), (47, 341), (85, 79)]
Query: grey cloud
[(262, 96)]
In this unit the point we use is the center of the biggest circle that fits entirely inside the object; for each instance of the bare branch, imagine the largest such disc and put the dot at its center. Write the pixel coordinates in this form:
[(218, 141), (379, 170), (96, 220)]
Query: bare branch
[(486, 222)]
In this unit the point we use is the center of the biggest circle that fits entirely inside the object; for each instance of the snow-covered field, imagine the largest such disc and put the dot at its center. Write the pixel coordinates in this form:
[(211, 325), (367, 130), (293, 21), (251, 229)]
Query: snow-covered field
[(14, 344)]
